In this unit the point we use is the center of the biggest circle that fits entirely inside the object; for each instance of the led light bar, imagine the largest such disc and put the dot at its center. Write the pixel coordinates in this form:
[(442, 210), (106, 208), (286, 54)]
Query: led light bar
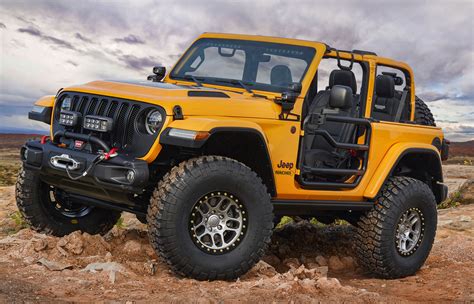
[(69, 118), (97, 123)]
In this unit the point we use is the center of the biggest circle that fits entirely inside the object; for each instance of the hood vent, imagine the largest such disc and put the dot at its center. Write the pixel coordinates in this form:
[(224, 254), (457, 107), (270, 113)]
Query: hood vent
[(207, 94)]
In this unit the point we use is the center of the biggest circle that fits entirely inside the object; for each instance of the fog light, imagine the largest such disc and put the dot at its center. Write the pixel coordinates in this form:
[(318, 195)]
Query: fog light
[(68, 118), (98, 123), (130, 176)]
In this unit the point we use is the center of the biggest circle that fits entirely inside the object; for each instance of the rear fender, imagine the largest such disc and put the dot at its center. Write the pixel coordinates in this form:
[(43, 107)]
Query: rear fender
[(396, 153)]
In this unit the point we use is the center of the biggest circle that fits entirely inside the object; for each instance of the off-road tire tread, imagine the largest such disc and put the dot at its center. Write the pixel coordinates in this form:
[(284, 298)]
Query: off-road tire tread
[(163, 201), (369, 233), (27, 201), (423, 115)]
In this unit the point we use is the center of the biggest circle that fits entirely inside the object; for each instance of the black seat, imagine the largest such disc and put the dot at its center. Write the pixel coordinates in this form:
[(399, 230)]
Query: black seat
[(385, 102), (337, 77), (319, 152), (280, 75), (321, 101), (343, 77)]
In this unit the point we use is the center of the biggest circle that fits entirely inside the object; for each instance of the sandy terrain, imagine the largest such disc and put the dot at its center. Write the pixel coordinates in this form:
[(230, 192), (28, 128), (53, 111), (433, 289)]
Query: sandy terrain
[(305, 264)]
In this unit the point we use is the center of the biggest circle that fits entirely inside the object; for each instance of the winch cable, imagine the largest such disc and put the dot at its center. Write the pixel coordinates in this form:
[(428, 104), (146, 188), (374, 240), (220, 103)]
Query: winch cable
[(96, 160), (102, 156)]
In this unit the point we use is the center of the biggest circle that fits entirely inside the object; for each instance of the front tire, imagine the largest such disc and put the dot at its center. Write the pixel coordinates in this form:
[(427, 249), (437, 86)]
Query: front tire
[(210, 218), (394, 239), (44, 211)]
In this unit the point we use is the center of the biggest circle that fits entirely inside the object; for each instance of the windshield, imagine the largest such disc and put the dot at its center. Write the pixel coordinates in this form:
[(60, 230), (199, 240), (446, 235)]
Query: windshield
[(239, 63)]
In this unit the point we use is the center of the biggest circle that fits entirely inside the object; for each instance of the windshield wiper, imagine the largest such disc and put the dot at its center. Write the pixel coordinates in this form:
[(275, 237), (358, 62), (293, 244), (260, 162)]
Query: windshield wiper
[(239, 82), (192, 78)]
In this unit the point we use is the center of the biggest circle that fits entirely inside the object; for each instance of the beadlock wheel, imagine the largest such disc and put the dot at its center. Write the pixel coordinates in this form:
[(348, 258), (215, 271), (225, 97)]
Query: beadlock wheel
[(210, 218), (410, 230), (218, 222), (395, 237)]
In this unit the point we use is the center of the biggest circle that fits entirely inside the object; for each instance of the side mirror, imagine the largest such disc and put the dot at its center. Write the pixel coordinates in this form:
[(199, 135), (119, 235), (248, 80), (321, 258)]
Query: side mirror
[(341, 97), (159, 72), (288, 99)]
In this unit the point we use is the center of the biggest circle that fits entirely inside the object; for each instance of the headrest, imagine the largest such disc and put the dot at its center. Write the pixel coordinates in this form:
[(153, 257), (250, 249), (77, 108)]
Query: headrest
[(384, 86), (341, 97), (281, 76), (343, 77)]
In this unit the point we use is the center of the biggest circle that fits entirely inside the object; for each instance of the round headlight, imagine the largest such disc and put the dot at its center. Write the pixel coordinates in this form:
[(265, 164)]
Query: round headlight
[(66, 104), (153, 121)]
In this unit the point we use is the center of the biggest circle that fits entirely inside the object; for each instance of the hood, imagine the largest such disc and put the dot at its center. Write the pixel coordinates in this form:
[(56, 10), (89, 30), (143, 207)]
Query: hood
[(194, 101)]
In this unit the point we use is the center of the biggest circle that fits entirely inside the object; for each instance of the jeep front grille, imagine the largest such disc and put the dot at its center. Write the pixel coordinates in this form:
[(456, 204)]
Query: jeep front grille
[(128, 133)]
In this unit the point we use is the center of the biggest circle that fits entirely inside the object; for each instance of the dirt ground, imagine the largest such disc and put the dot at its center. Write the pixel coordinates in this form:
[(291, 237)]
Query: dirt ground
[(305, 264)]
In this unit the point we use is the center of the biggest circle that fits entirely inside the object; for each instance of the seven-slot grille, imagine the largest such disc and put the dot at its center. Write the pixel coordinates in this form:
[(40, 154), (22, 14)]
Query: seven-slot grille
[(126, 135)]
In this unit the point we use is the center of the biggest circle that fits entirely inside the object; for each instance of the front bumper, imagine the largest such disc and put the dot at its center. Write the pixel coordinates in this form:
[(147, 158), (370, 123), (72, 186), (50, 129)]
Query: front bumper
[(107, 180)]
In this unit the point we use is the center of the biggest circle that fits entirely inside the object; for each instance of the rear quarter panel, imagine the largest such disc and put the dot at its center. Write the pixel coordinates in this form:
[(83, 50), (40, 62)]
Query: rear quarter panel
[(388, 142)]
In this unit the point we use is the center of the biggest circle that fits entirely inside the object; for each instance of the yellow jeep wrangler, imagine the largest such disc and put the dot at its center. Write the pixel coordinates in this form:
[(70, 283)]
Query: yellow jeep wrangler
[(244, 129)]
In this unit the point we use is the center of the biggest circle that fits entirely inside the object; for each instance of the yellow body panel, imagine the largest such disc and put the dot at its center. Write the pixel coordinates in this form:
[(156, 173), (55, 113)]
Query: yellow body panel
[(45, 101), (237, 105), (388, 162), (243, 110)]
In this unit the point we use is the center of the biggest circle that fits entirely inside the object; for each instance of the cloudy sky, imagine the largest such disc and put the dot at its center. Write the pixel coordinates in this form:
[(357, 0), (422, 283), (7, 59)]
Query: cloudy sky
[(47, 45)]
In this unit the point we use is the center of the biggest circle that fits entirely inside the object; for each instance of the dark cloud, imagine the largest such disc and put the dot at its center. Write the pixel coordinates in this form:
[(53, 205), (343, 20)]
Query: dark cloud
[(130, 39), (72, 63), (30, 22), (447, 121), (2, 25), (83, 38), (466, 129), (94, 16), (138, 63), (31, 31), (14, 110), (434, 96), (56, 41)]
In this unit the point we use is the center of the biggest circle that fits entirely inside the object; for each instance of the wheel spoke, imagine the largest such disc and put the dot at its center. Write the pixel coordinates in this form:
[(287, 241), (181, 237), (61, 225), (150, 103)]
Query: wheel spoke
[(409, 231), (227, 208), (201, 212), (402, 244), (218, 222), (232, 229), (218, 205)]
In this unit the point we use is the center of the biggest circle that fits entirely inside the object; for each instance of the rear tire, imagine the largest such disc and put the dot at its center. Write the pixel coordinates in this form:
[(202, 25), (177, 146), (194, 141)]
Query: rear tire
[(423, 115), (394, 239), (188, 218), (42, 214)]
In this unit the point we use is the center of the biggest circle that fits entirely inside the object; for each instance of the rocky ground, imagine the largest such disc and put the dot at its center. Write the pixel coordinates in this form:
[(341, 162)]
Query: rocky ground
[(306, 263)]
